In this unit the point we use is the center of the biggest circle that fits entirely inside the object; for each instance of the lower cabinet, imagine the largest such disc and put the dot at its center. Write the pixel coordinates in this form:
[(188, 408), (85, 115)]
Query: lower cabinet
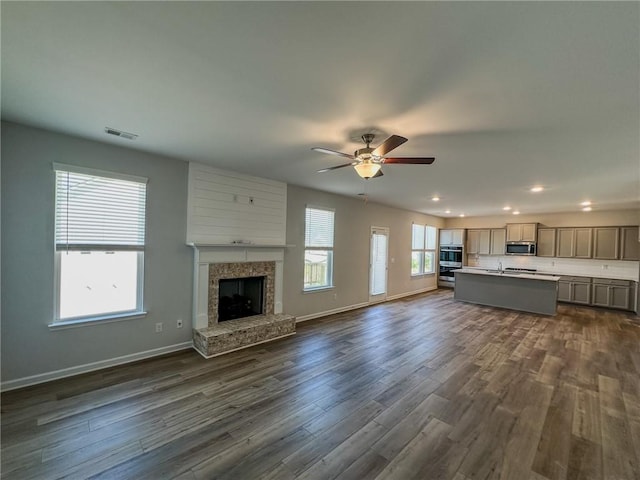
[(600, 292), (574, 290), (612, 293)]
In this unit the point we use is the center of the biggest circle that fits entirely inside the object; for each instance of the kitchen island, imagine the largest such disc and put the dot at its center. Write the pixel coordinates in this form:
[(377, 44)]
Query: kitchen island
[(516, 291)]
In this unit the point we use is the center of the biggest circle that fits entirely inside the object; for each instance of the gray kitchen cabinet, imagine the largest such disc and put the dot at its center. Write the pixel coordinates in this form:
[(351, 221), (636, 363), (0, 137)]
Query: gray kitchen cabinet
[(574, 290), (612, 293), (478, 242), (619, 297), (452, 236), (498, 241), (564, 291), (565, 240), (521, 232), (605, 243), (573, 242), (546, 242), (581, 293), (629, 243), (600, 295), (582, 247)]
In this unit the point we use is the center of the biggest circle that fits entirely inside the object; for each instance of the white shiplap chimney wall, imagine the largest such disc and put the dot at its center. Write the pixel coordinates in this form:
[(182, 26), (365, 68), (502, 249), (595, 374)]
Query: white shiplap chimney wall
[(226, 208)]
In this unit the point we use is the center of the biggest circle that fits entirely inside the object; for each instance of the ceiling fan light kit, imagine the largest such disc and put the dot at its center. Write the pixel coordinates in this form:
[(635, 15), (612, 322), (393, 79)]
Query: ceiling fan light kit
[(367, 169), (368, 161)]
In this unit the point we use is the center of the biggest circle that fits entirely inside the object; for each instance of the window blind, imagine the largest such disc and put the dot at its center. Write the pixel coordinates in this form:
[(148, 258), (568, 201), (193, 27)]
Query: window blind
[(318, 228), (432, 234), (99, 212), (417, 237)]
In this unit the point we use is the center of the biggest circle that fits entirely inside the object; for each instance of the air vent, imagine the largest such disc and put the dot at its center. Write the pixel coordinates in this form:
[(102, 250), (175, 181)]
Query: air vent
[(119, 133)]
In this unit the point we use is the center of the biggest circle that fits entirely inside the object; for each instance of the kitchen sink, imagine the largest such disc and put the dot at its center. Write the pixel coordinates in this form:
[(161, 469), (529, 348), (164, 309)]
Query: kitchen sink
[(502, 272)]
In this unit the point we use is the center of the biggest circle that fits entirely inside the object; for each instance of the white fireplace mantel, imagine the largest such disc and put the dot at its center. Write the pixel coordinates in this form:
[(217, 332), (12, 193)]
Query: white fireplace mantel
[(204, 255)]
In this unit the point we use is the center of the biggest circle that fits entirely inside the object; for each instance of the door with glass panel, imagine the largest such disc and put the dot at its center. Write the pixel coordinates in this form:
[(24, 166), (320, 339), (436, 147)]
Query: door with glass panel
[(378, 264)]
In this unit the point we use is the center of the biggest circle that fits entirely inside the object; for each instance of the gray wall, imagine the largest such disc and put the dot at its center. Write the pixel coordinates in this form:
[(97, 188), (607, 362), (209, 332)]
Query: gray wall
[(29, 347), (353, 221)]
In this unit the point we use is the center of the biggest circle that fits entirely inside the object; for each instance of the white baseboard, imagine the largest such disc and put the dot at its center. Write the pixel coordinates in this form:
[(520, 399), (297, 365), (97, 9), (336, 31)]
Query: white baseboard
[(90, 367), (326, 313), (311, 316), (408, 294)]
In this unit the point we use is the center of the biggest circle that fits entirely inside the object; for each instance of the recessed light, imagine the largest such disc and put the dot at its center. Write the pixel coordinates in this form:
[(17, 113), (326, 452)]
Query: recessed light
[(586, 209), (586, 203), (447, 211), (506, 209), (536, 189), (435, 199), (461, 215), (516, 212)]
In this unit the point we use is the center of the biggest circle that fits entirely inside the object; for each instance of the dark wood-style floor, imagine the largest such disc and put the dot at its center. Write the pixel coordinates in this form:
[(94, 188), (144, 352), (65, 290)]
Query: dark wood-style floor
[(422, 388)]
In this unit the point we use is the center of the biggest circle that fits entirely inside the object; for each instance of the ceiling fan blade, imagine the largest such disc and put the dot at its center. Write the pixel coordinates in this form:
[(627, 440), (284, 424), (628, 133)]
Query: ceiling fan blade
[(332, 152), (394, 141), (410, 160), (337, 166)]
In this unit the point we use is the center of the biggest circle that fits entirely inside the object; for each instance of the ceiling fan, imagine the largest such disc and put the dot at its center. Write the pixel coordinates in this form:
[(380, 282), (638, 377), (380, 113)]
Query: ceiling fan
[(368, 161)]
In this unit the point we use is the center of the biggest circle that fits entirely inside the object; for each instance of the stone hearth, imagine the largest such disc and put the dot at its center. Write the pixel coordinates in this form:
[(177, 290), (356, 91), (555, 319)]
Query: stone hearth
[(242, 332)]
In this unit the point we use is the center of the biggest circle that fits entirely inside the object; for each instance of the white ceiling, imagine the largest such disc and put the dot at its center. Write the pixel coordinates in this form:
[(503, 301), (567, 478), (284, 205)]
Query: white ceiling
[(504, 95)]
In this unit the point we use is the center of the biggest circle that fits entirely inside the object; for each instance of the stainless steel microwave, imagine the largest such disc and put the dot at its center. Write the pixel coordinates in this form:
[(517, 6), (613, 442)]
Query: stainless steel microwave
[(520, 248)]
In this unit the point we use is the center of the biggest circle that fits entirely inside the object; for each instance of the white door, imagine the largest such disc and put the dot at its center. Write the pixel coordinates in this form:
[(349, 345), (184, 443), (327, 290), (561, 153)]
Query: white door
[(378, 264)]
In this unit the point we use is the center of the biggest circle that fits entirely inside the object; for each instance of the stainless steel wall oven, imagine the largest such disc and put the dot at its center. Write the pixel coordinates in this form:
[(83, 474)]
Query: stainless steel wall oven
[(450, 260)]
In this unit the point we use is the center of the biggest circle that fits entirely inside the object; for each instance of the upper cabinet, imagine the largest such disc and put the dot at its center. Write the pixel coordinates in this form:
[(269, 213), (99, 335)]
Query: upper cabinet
[(629, 243), (546, 242), (605, 243), (521, 232), (498, 240), (583, 244), (453, 236), (479, 242), (573, 242), (599, 243)]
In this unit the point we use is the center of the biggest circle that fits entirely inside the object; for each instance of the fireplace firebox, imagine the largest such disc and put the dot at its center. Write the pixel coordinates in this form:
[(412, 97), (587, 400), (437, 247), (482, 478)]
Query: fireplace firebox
[(240, 297)]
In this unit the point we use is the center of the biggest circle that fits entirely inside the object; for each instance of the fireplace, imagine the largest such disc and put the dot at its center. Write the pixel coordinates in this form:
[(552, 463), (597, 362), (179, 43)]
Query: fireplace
[(226, 276), (217, 270), (240, 297)]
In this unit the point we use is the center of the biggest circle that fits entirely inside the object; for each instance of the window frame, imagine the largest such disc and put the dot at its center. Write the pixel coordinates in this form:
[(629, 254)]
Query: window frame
[(427, 249), (329, 249), (138, 311)]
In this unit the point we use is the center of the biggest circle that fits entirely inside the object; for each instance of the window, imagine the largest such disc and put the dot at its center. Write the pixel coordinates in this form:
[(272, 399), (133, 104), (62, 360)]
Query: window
[(100, 235), (318, 248), (423, 249)]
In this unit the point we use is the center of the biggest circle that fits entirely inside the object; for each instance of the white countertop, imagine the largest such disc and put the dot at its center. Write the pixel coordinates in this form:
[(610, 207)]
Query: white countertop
[(602, 274), (516, 275)]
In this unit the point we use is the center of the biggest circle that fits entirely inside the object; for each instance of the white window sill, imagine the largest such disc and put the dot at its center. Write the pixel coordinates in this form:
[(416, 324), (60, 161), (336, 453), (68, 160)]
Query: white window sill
[(414, 275), (85, 322), (318, 289)]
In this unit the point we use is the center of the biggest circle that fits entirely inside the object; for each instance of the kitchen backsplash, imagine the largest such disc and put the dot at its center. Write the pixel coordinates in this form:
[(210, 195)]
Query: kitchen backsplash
[(567, 266)]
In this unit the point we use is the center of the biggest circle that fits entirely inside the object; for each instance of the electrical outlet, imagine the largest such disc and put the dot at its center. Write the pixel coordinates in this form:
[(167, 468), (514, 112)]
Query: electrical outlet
[(179, 323), (158, 327)]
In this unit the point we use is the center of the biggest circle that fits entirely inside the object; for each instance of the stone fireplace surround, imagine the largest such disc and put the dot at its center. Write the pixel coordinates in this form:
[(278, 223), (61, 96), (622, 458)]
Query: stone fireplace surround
[(212, 263), (225, 271)]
